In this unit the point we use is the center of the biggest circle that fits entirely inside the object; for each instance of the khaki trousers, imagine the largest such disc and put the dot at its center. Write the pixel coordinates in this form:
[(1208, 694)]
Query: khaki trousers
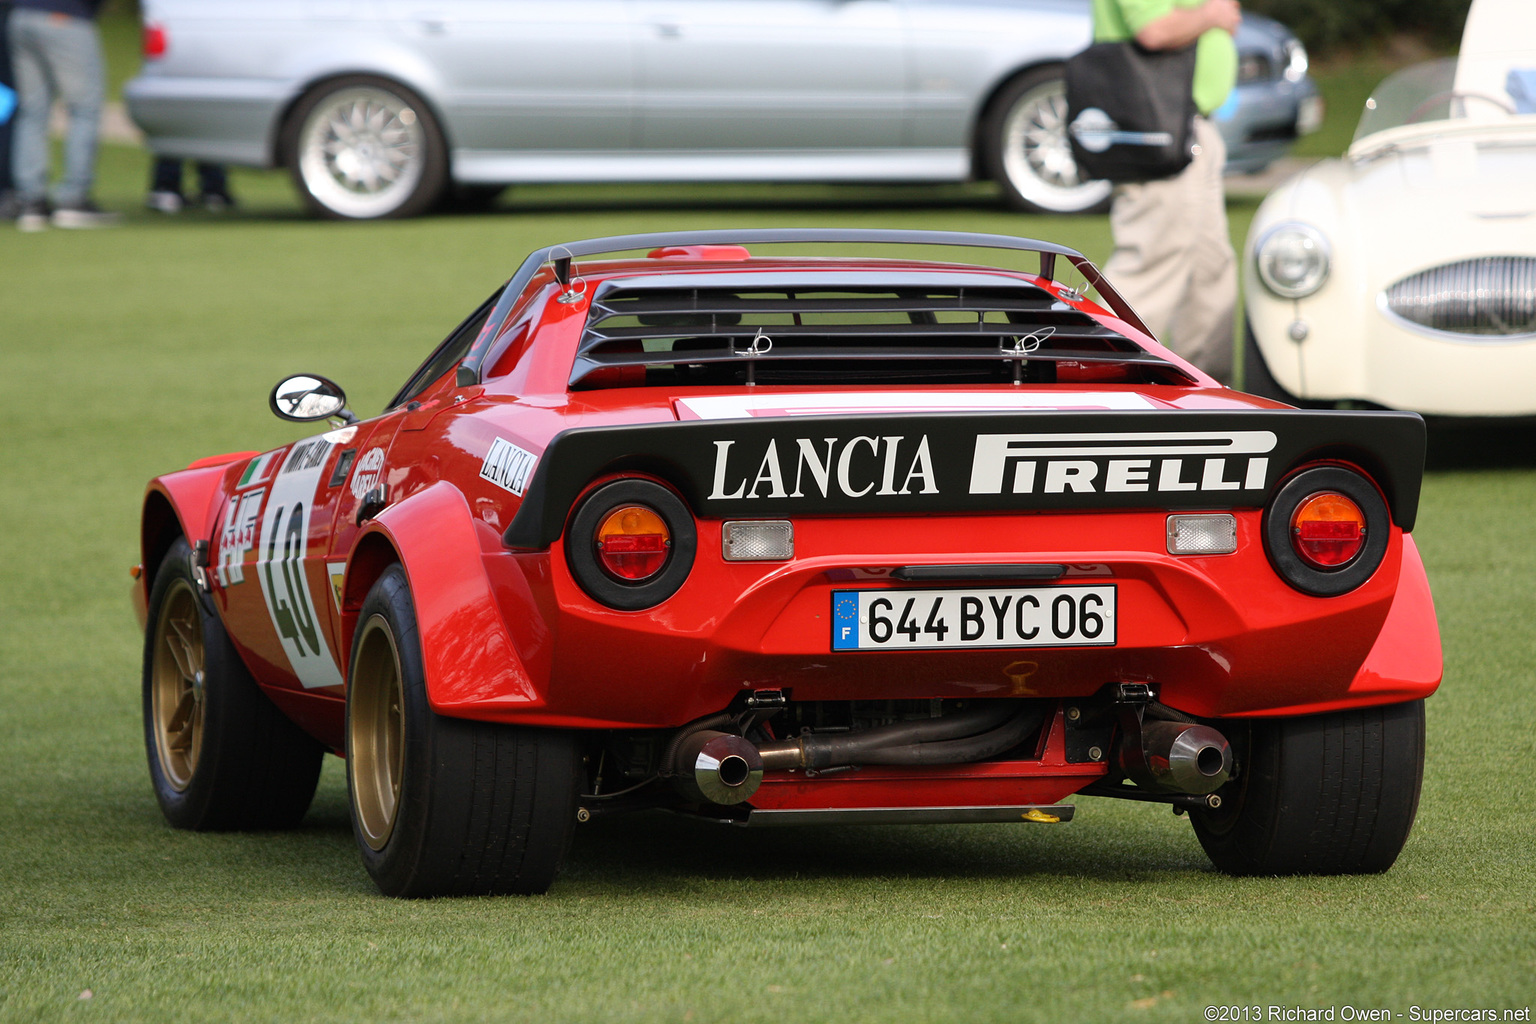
[(1173, 258)]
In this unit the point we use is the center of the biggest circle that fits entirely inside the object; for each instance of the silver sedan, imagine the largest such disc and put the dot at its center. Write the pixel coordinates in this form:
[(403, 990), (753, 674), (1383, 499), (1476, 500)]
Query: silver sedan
[(380, 107)]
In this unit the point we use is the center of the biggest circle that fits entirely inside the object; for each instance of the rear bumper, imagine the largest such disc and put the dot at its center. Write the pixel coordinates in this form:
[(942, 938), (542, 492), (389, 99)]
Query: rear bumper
[(219, 120), (1216, 635)]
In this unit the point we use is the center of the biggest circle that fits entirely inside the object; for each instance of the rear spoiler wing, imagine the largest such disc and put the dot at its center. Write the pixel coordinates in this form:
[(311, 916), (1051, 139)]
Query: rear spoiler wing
[(774, 467)]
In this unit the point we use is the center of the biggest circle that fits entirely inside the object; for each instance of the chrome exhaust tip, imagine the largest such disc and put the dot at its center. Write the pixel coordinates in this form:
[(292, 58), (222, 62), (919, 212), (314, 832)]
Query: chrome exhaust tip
[(719, 767), (1177, 757)]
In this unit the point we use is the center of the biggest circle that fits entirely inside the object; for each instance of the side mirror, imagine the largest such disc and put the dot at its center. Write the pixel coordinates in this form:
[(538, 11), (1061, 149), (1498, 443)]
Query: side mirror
[(307, 397)]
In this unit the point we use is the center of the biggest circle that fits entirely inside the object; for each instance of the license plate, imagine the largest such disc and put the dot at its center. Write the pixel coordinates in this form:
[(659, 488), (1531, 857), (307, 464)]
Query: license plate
[(915, 620)]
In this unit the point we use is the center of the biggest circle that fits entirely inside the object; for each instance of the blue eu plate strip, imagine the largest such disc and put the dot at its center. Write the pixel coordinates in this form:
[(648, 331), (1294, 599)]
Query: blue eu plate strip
[(845, 620)]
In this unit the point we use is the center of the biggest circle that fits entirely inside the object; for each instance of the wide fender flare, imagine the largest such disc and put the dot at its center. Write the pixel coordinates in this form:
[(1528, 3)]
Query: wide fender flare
[(1405, 663), (183, 503), (471, 664)]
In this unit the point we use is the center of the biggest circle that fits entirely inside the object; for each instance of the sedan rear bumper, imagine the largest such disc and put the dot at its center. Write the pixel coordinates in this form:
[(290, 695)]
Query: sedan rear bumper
[(220, 120)]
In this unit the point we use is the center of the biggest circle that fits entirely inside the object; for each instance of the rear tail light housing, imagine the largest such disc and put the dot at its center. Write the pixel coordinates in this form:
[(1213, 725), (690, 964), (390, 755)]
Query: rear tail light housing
[(631, 543), (1326, 530), (154, 41)]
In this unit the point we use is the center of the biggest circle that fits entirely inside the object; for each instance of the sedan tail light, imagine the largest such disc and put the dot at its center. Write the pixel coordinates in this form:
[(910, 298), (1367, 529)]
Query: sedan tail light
[(154, 40)]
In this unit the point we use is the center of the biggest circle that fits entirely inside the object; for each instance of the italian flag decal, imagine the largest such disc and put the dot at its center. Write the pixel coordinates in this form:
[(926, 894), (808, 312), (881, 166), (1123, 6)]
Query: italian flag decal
[(259, 469)]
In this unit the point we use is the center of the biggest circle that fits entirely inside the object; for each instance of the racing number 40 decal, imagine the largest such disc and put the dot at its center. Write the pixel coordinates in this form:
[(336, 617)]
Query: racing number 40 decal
[(280, 565)]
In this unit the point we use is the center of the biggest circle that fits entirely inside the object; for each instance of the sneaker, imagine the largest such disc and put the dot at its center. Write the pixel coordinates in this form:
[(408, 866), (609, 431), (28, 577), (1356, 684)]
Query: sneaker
[(33, 216), (164, 201), (84, 215), (217, 202)]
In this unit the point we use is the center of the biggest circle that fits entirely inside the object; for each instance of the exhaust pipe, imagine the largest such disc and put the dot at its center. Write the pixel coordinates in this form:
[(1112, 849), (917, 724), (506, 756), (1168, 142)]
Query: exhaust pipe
[(724, 768), (718, 767), (1175, 757)]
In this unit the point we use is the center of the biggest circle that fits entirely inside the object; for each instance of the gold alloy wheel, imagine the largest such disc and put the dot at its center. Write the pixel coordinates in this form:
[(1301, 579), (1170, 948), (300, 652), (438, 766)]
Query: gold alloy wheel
[(177, 677), (376, 733)]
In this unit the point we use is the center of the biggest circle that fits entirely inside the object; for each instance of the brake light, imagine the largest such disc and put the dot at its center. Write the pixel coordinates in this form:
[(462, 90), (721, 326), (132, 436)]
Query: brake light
[(1328, 530), (632, 542), (154, 40)]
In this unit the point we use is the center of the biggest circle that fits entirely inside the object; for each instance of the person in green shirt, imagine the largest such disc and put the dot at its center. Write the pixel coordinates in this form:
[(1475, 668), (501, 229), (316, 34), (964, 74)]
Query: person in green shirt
[(1173, 258)]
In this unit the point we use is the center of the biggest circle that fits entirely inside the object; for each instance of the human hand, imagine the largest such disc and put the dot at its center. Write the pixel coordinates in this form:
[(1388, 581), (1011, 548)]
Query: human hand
[(1224, 14)]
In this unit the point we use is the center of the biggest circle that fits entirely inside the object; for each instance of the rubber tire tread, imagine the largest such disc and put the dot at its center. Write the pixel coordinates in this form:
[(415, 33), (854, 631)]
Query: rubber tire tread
[(257, 769), (433, 185), (1329, 794), (991, 142), (485, 808)]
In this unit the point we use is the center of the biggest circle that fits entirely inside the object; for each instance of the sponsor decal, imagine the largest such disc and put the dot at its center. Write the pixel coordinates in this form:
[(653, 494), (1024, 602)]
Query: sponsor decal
[(1161, 463), (508, 466), (901, 464), (366, 477), (258, 469), (238, 536), (338, 574), (852, 467), (283, 541)]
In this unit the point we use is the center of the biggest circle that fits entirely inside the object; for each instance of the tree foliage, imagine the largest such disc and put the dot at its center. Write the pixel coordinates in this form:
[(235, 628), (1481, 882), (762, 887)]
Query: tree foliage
[(1326, 25)]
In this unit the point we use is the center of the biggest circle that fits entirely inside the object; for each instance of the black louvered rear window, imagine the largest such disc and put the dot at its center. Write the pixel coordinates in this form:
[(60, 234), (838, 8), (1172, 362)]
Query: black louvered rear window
[(847, 327)]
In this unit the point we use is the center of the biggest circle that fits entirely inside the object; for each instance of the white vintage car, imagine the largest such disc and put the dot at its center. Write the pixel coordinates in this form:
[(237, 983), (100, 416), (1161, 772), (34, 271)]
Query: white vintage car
[(1404, 274)]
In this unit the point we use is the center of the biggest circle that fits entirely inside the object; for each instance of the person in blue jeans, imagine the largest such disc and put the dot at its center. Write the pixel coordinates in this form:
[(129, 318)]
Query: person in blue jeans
[(55, 50)]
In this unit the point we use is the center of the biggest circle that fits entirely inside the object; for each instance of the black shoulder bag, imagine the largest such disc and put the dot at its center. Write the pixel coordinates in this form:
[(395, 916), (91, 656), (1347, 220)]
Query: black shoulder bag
[(1131, 111)]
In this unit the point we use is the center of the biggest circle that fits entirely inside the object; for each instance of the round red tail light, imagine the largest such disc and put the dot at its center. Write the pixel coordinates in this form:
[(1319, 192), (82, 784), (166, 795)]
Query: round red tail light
[(633, 542), (1328, 530)]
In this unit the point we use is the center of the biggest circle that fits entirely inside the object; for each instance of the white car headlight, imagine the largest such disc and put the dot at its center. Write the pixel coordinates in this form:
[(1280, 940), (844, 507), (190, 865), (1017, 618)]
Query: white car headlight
[(1292, 259), (1295, 60)]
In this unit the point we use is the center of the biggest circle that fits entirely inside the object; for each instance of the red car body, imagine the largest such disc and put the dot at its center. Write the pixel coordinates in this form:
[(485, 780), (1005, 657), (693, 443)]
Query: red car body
[(1051, 473)]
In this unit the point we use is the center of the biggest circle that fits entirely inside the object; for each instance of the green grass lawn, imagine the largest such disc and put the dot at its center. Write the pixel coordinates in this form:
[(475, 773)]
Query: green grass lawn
[(129, 352)]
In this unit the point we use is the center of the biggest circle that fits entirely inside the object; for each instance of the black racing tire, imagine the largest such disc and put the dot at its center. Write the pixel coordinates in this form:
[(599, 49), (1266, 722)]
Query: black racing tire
[(221, 755), (446, 806), (1025, 149), (365, 148), (1331, 794), (1257, 380)]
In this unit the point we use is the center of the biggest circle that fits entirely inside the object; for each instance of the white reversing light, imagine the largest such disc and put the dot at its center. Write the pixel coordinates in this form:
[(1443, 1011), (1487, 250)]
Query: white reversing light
[(758, 541), (1202, 535)]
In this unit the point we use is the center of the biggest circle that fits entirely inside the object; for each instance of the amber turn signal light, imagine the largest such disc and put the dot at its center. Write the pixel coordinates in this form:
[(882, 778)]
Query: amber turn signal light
[(1328, 530), (632, 542)]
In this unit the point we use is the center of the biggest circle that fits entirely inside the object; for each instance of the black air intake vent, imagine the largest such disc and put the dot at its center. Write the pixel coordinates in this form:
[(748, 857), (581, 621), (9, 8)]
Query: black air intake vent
[(835, 327)]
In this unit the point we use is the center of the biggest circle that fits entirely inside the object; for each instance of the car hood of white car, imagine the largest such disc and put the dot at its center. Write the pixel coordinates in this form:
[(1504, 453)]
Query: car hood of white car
[(1434, 198)]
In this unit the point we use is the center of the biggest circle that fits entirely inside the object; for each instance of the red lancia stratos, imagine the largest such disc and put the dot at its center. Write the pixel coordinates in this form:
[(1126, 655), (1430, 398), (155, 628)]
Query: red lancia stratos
[(772, 539)]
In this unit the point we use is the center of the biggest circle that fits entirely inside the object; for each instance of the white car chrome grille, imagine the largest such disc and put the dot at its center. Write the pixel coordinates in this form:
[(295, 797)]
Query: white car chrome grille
[(1493, 297)]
